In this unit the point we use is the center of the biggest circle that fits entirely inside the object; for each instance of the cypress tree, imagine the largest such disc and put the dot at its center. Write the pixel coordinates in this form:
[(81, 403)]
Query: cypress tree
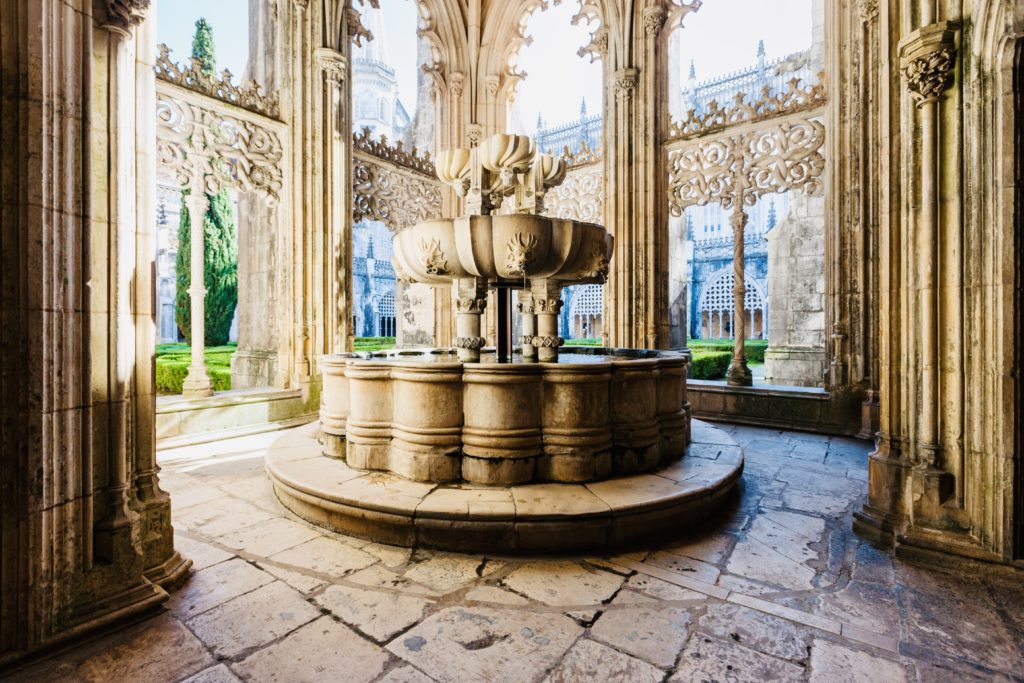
[(220, 262)]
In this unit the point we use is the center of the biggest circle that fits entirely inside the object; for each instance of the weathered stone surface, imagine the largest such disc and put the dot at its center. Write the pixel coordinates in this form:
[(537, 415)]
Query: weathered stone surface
[(160, 649), (231, 631), (480, 644), (216, 585), (590, 661), (215, 674), (647, 588), (268, 538), (321, 650), (325, 556), (445, 573), (563, 583), (832, 662), (653, 634), (708, 659), (377, 614), (756, 630)]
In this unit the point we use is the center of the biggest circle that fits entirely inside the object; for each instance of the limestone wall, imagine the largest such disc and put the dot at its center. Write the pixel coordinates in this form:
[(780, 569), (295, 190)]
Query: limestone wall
[(796, 295)]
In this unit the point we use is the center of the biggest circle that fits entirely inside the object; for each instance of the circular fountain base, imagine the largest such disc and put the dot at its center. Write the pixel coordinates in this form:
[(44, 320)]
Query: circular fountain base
[(530, 518)]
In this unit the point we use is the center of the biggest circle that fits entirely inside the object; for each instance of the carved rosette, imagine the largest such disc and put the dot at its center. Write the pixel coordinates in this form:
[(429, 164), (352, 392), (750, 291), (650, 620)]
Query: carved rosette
[(929, 75), (125, 15)]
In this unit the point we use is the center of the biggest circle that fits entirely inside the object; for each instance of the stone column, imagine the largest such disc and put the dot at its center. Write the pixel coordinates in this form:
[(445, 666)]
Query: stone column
[(471, 302), (739, 374), (197, 382), (547, 302), (529, 317)]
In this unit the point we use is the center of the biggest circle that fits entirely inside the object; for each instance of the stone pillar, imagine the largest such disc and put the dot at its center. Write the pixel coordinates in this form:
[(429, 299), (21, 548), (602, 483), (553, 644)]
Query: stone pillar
[(529, 318), (547, 302), (197, 383), (739, 374), (471, 302)]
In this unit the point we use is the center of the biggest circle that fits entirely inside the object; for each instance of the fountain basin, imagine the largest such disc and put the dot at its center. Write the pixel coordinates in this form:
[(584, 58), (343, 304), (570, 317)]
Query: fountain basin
[(595, 414)]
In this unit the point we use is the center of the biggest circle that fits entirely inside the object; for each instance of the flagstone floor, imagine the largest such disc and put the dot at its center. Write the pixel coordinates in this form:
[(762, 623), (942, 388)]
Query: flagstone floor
[(777, 589)]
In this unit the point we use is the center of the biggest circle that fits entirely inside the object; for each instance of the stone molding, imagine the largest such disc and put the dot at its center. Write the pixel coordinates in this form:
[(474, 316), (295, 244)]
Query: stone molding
[(192, 77), (124, 15), (626, 81), (927, 61), (794, 99)]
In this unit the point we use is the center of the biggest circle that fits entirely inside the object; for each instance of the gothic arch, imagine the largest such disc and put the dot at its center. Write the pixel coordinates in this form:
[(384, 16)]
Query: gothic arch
[(716, 294)]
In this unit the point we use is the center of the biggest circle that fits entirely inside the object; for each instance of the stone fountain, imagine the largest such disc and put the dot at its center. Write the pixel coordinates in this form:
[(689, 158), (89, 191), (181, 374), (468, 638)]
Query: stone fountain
[(484, 448)]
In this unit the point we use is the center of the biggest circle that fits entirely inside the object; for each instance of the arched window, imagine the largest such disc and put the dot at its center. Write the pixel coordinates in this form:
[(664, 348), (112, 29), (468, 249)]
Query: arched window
[(715, 306), (386, 313)]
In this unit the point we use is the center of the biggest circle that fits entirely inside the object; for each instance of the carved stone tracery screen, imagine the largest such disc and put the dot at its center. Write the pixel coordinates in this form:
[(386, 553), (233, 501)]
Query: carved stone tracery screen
[(392, 185)]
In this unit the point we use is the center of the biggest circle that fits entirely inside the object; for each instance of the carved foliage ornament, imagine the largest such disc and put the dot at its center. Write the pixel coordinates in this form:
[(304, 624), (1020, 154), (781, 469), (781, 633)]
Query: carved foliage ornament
[(124, 15), (625, 82), (737, 169), (930, 74), (580, 196), (434, 262), (597, 48), (795, 98), (868, 10), (199, 145), (247, 96), (654, 19), (382, 192), (396, 153), (521, 251), (332, 63)]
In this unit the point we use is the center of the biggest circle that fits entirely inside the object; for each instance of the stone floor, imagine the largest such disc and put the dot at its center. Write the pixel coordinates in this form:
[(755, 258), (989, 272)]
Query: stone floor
[(778, 589)]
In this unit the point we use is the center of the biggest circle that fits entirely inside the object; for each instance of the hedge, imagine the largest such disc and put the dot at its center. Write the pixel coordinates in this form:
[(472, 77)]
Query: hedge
[(373, 343), (583, 342), (754, 348), (172, 361), (709, 364)]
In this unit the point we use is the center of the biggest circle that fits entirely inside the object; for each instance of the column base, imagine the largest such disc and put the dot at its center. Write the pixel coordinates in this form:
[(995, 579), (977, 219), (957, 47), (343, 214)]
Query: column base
[(197, 383), (170, 573), (739, 374)]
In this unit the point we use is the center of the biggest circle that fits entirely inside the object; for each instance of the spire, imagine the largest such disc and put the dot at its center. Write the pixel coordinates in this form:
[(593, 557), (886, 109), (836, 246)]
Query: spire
[(693, 71), (583, 107), (760, 49), (540, 122), (761, 59), (369, 250), (772, 217), (376, 49)]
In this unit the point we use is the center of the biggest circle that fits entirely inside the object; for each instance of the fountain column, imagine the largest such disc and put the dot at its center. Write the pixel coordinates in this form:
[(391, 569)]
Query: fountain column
[(526, 309), (547, 302), (471, 293)]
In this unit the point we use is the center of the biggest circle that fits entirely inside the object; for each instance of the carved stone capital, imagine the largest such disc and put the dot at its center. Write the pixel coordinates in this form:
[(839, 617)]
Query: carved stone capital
[(470, 305), (124, 15), (474, 134), (491, 83), (928, 57), (868, 10), (625, 82), (332, 64), (457, 83), (550, 306), (654, 19)]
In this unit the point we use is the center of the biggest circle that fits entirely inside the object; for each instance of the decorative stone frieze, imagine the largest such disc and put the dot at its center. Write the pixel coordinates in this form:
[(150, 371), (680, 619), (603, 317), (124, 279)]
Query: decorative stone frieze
[(769, 105), (393, 153), (193, 77)]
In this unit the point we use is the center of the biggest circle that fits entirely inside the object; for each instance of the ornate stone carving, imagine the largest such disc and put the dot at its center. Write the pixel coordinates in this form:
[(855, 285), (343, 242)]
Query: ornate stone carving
[(198, 145), (247, 96), (332, 63), (737, 169), (434, 262), (597, 48), (580, 196), (598, 268), (357, 33), (547, 342), (384, 192), (474, 134), (654, 19), (396, 153), (928, 75), (868, 10), (547, 305), (795, 98), (491, 83), (474, 343), (521, 250), (470, 304), (124, 15), (625, 82), (457, 83), (582, 156)]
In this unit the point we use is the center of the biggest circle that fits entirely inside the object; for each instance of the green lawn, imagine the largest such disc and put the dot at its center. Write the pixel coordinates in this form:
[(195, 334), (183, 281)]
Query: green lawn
[(373, 343), (172, 361)]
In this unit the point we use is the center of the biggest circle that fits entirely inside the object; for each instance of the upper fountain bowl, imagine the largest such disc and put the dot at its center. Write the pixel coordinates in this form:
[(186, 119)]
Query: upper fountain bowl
[(503, 249)]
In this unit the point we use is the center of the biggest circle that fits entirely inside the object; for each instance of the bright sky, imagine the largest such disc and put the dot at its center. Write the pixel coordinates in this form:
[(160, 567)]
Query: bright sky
[(556, 77)]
